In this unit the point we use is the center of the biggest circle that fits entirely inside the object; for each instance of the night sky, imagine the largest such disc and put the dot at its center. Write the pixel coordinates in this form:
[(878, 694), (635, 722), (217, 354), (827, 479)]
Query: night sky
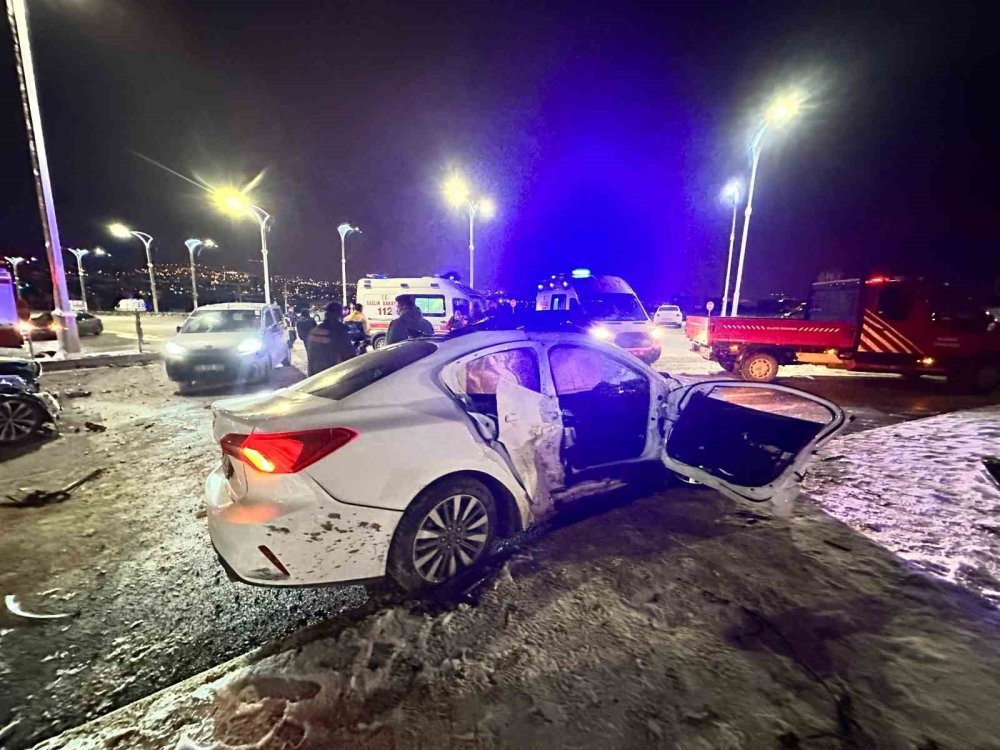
[(603, 131)]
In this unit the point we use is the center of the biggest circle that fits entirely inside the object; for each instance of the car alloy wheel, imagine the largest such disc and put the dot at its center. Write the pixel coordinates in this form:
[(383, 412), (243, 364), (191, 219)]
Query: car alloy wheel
[(450, 538), (18, 420)]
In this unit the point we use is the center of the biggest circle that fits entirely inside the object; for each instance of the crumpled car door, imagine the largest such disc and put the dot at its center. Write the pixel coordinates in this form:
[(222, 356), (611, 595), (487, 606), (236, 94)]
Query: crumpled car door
[(510, 400), (750, 441)]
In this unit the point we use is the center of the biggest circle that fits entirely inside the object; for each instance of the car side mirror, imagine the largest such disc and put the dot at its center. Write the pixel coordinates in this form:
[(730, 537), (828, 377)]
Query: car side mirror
[(178, 329)]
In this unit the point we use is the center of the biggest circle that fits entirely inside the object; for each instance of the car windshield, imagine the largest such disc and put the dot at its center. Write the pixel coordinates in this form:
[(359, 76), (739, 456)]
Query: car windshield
[(359, 372), (617, 306), (668, 308), (222, 321)]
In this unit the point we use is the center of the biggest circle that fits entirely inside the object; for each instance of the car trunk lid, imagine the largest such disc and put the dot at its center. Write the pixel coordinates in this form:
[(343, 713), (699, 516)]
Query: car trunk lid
[(277, 411)]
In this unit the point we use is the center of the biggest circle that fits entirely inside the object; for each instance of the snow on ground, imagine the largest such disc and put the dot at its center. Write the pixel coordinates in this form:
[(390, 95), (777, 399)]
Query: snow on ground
[(675, 620), (920, 490)]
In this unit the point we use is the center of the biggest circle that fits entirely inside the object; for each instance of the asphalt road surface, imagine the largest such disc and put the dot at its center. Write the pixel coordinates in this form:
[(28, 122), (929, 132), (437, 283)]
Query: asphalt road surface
[(127, 555)]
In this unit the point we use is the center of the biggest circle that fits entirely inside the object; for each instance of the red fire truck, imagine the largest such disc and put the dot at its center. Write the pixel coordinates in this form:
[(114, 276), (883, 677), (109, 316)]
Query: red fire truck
[(909, 326)]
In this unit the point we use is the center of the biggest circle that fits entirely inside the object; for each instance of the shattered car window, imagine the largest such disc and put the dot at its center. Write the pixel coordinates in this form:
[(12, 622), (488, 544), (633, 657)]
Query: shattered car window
[(519, 366), (576, 369)]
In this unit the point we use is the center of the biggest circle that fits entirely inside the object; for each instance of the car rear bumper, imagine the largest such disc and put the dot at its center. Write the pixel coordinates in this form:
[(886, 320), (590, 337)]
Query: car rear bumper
[(288, 531)]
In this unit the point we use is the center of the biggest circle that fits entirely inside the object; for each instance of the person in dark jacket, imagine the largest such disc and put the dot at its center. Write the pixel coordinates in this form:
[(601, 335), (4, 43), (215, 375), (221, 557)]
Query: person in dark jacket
[(328, 343), (303, 324), (410, 324)]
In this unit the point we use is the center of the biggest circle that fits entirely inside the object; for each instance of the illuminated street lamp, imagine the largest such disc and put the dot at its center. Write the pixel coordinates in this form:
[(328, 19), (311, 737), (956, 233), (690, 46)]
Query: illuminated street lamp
[(458, 194), (194, 246), (15, 261), (730, 192), (122, 232), (79, 253), (234, 202), (344, 230), (782, 110)]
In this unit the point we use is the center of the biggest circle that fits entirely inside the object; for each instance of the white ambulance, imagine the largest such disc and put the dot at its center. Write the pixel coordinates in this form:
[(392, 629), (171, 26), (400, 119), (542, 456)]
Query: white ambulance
[(610, 308), (438, 299)]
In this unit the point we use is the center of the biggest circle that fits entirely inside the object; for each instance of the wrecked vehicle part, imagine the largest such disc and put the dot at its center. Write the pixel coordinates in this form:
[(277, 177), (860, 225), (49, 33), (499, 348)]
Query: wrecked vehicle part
[(748, 444), (14, 607), (531, 430), (38, 498), (24, 406)]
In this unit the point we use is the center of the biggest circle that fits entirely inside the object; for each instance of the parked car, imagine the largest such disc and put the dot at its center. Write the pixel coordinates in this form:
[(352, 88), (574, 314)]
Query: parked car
[(44, 326), (228, 342), (24, 406), (415, 459), (668, 315)]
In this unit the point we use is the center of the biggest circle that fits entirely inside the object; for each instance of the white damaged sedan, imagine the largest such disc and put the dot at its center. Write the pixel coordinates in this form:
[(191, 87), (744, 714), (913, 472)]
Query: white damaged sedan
[(413, 460)]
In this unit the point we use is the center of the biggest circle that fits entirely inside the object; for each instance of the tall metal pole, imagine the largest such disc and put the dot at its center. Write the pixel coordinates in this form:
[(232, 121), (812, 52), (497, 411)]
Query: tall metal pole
[(472, 244), (194, 285), (343, 230), (147, 241), (15, 261), (192, 246), (343, 268), (729, 260), (83, 284), (17, 17), (755, 149), (263, 217)]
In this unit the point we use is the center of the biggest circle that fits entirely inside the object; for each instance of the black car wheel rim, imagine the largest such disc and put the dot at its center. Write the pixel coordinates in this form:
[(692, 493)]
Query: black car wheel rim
[(17, 421)]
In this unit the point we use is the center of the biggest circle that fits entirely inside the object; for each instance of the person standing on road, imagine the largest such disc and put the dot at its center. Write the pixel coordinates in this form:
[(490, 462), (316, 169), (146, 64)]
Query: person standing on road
[(410, 324), (303, 324), (357, 316), (328, 343)]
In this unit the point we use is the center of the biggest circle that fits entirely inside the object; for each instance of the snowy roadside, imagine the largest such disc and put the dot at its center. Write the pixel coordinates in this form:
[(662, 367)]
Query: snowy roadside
[(919, 489), (677, 620)]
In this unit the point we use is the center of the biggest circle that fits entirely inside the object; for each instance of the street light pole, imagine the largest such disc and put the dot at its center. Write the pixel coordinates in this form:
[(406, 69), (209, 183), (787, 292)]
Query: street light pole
[(263, 217), (15, 261), (79, 252), (344, 230), (458, 194), (147, 241), (473, 209), (194, 245), (755, 156), (732, 191), (122, 232), (783, 108), (17, 17)]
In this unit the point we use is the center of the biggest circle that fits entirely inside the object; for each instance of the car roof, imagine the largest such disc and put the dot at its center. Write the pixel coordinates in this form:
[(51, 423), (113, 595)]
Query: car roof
[(234, 306)]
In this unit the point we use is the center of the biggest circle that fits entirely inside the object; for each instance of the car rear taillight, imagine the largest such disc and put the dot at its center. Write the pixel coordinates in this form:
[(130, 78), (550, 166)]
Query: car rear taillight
[(286, 452)]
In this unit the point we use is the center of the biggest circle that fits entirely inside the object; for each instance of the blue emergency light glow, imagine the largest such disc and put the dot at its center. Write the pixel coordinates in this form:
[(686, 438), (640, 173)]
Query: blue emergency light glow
[(580, 273)]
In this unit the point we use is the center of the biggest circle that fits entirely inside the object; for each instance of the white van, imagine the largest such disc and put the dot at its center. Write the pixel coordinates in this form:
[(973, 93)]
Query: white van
[(610, 307), (437, 299)]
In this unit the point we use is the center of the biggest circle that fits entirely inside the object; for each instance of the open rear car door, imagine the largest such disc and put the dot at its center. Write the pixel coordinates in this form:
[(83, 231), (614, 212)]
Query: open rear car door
[(750, 441)]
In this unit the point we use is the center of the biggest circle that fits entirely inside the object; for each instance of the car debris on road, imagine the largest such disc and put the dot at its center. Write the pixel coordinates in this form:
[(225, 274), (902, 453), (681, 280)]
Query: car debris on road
[(14, 607), (38, 498)]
